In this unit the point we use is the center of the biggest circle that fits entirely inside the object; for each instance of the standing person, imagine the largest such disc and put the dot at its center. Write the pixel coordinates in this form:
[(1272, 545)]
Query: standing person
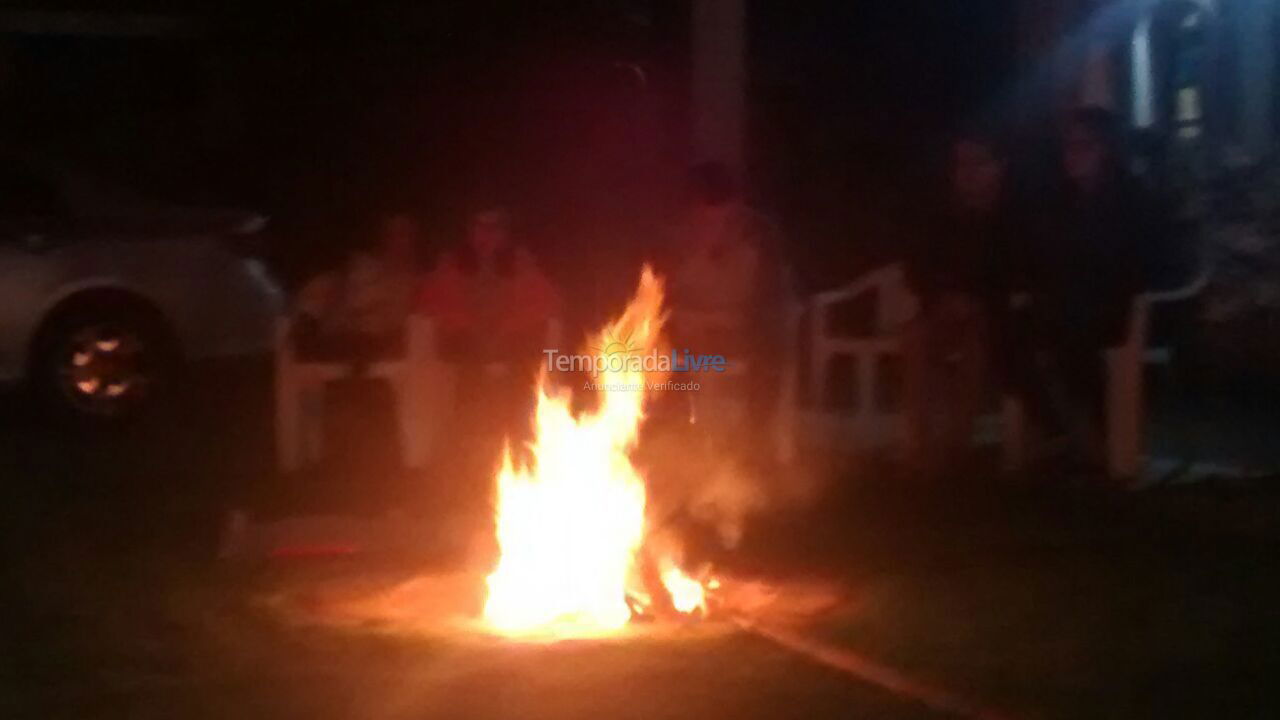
[(730, 288), (1087, 268), (962, 272)]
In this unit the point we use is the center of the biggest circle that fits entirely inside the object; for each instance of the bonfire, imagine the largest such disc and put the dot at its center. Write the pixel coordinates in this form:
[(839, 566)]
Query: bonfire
[(571, 521)]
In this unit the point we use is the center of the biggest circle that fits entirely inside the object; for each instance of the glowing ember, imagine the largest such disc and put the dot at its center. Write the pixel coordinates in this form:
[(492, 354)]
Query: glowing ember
[(687, 594), (570, 526)]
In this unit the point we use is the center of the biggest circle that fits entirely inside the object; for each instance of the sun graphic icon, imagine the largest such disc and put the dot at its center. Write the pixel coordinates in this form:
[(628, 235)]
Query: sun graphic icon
[(616, 346)]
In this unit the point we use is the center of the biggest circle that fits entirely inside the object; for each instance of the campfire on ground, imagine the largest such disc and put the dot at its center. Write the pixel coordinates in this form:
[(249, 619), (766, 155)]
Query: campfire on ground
[(576, 553)]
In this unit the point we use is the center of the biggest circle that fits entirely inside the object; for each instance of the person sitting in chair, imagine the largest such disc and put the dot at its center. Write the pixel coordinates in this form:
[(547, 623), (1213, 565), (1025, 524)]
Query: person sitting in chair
[(961, 272), (491, 305), (357, 313), (1086, 267), (490, 299)]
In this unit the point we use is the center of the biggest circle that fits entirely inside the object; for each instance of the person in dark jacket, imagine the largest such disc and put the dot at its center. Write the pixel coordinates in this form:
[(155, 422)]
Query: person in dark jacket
[(961, 271), (1085, 269)]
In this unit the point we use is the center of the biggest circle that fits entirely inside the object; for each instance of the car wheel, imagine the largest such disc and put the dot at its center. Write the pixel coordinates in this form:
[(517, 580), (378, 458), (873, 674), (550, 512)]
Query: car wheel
[(103, 365)]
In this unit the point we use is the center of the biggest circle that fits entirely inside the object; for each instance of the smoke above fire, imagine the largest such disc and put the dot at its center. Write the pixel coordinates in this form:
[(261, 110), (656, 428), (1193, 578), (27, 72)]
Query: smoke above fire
[(705, 479)]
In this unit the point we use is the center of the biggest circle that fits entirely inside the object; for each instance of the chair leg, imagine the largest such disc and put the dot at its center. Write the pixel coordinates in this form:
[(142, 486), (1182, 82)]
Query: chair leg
[(1124, 412), (422, 431), (871, 432), (413, 435), (403, 387), (438, 409), (784, 443), (310, 404), (288, 422), (817, 380)]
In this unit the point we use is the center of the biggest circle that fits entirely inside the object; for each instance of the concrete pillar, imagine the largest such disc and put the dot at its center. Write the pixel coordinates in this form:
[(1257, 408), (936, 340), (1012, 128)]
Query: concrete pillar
[(719, 81), (1256, 59), (1142, 80)]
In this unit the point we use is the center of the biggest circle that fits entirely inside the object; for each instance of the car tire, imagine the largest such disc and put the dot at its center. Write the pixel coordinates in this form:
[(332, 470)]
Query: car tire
[(103, 364)]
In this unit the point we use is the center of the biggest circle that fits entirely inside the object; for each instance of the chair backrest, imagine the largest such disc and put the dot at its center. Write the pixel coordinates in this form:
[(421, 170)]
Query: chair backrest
[(894, 306), (420, 348), (1143, 304)]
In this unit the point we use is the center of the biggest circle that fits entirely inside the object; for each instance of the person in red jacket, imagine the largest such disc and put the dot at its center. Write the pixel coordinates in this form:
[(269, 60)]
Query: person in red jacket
[(491, 304), (490, 299)]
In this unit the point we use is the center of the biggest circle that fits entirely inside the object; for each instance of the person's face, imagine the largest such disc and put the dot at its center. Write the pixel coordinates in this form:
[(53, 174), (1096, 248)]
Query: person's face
[(1082, 156), (488, 235), (977, 175)]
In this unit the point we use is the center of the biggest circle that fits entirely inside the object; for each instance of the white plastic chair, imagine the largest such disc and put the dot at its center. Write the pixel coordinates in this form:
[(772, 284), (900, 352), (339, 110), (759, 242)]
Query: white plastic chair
[(896, 306), (869, 425), (1126, 386), (423, 384), (420, 384)]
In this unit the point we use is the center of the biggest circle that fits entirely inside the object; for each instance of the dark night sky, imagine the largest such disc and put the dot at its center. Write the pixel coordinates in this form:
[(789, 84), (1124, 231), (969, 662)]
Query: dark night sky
[(854, 103), (321, 117)]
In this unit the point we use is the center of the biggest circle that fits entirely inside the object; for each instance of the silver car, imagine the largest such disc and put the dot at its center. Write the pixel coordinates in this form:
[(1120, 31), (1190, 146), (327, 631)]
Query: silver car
[(98, 303)]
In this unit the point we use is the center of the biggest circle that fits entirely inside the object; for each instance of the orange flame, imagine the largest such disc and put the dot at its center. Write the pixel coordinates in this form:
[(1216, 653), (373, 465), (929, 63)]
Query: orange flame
[(570, 525)]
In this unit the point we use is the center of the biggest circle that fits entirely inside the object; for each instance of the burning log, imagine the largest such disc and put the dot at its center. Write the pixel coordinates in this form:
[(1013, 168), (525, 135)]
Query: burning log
[(658, 603)]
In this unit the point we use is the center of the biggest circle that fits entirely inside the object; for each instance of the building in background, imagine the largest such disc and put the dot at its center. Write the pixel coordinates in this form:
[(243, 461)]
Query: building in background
[(1197, 82), (1200, 75)]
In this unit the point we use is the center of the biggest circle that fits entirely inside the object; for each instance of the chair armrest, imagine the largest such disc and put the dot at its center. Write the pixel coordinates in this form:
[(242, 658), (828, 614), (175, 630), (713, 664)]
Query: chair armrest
[(1140, 317), (876, 279), (1186, 292)]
